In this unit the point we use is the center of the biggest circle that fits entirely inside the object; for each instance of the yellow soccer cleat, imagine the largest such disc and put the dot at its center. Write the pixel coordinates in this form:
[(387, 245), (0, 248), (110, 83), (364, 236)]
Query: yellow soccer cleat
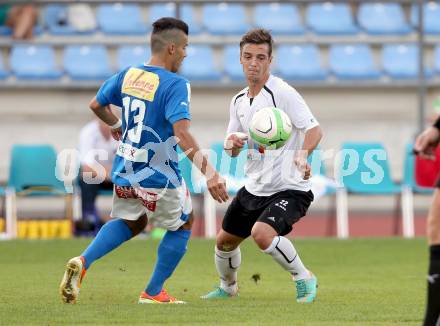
[(72, 278)]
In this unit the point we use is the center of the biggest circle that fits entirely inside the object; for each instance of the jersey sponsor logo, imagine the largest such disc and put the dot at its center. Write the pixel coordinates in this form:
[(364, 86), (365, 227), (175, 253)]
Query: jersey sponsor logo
[(140, 83)]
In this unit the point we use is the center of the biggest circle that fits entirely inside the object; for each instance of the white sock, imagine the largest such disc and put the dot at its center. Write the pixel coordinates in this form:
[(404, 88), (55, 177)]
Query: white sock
[(284, 253), (227, 264)]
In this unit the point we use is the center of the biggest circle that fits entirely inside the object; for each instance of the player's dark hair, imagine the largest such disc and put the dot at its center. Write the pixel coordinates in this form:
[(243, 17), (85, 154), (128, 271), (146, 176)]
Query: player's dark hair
[(257, 36), (166, 23), (165, 30)]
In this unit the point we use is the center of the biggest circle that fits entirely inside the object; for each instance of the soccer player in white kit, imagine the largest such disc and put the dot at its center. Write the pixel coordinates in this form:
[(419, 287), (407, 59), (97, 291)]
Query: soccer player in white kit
[(277, 193)]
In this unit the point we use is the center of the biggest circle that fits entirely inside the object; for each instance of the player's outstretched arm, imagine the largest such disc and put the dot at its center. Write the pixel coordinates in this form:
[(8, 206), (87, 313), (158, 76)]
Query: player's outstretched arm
[(311, 139), (216, 184)]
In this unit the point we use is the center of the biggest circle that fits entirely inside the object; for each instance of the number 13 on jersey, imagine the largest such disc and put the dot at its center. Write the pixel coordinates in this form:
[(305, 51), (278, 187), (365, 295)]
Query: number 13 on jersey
[(136, 107)]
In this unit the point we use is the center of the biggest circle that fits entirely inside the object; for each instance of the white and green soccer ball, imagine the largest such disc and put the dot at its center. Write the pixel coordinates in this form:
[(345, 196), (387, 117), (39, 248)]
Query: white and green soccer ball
[(270, 128)]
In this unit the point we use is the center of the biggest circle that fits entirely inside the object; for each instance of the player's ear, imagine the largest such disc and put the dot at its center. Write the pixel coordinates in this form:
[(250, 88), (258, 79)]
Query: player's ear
[(171, 48)]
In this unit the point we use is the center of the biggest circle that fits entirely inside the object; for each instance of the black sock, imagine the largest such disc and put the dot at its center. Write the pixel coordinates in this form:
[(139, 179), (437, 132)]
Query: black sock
[(432, 317)]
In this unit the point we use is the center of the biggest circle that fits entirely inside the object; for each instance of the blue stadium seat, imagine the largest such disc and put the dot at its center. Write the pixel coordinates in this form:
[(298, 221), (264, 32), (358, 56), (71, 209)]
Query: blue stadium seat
[(300, 62), (199, 64), (278, 18), (34, 62), (437, 59), (431, 17), (159, 10), (33, 170), (383, 19), (352, 62), (231, 62), (55, 19), (364, 179), (83, 62), (400, 61), (122, 19), (224, 19), (330, 19), (131, 55), (364, 170)]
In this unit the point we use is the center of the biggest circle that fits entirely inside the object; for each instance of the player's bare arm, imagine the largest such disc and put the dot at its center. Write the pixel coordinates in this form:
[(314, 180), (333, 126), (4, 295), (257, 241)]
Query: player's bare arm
[(311, 139), (216, 184), (105, 114)]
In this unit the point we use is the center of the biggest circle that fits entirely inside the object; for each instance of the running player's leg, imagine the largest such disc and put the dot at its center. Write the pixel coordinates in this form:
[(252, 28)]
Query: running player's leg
[(111, 236), (268, 232), (236, 227), (432, 316), (172, 212), (129, 219), (170, 252)]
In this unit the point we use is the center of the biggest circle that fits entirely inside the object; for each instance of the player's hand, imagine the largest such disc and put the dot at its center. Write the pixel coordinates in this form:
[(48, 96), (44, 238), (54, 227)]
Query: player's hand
[(117, 133), (217, 188), (427, 142), (234, 142), (303, 166)]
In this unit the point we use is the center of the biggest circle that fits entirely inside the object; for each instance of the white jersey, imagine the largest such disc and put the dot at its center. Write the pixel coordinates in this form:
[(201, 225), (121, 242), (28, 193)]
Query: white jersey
[(93, 147), (273, 170)]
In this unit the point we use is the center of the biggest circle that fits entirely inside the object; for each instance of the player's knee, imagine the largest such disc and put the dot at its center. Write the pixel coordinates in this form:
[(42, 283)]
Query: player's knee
[(433, 230), (188, 224), (226, 246), (261, 238), (138, 225)]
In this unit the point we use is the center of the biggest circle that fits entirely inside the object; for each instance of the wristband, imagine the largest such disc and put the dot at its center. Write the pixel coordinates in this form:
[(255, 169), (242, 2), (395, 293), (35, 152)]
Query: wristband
[(117, 125)]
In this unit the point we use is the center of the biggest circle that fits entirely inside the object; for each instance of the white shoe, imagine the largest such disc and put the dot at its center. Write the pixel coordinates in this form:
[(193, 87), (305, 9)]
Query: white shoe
[(72, 278)]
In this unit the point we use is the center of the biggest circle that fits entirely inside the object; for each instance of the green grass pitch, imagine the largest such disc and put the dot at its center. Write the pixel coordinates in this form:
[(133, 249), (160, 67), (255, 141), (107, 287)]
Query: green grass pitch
[(361, 282)]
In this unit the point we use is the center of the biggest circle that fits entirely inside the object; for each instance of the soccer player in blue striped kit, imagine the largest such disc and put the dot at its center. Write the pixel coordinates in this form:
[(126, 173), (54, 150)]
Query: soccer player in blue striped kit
[(148, 183)]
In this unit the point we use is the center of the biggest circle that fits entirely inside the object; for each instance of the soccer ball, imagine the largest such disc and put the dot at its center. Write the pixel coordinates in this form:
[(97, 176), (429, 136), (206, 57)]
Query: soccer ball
[(270, 128)]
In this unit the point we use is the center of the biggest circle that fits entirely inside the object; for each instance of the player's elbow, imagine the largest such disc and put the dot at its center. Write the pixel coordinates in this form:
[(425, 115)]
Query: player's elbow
[(320, 133), (94, 105), (316, 133)]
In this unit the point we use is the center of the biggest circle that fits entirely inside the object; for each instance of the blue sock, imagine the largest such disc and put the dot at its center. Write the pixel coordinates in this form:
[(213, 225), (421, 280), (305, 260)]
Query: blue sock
[(171, 250), (111, 235)]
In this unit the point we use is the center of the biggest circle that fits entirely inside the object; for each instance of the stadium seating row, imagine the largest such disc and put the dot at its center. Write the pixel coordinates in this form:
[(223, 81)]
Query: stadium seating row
[(345, 62), (329, 18), (363, 169)]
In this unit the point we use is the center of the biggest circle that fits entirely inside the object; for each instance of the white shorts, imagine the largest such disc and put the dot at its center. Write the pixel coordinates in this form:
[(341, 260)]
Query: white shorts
[(168, 208)]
